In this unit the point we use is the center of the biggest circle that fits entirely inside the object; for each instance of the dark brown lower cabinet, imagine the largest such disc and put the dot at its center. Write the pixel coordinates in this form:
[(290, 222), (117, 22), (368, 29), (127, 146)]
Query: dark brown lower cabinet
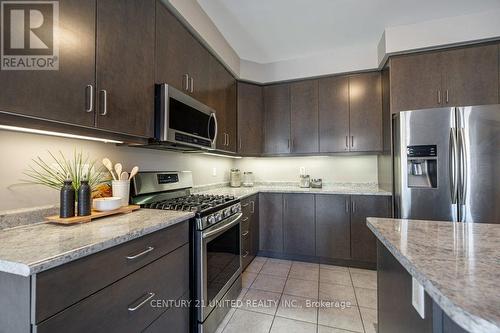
[(249, 229), (271, 222), (363, 242), (125, 306), (299, 224), (175, 319), (333, 227)]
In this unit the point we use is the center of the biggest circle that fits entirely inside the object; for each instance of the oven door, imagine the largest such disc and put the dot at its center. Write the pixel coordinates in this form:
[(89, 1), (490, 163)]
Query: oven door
[(182, 119), (218, 263)]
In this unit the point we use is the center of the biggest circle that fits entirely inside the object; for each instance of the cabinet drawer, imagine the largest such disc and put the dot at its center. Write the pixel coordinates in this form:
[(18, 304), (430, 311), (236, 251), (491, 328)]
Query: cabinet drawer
[(118, 308), (175, 319), (248, 206), (60, 287)]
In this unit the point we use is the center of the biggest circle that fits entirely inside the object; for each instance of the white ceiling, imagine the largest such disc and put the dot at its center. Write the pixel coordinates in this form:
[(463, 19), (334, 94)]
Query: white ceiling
[(267, 31)]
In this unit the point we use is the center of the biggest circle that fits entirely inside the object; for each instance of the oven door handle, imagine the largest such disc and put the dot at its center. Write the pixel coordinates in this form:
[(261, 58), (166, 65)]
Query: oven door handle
[(230, 222)]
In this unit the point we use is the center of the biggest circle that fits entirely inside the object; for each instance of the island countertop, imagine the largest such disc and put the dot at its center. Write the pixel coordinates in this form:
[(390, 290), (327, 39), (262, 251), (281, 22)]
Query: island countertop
[(457, 264), (34, 248)]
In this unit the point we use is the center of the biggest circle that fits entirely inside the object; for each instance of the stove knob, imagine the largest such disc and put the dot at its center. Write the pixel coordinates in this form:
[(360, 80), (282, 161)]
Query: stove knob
[(227, 212), (218, 217), (235, 209), (211, 219)]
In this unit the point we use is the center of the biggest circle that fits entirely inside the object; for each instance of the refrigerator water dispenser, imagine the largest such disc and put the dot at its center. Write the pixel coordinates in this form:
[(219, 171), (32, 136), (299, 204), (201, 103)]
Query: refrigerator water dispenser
[(422, 166)]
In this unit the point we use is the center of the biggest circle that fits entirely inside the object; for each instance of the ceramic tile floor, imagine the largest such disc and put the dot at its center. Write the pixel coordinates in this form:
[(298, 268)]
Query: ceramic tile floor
[(285, 296)]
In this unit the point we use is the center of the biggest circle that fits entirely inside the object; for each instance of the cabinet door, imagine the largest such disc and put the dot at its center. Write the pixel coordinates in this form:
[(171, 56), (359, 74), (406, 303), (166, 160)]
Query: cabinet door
[(271, 222), (299, 224), (230, 111), (334, 114), (217, 99), (172, 48), (416, 82), (61, 94), (125, 66), (333, 227), (363, 242), (249, 119), (471, 76), (254, 225), (277, 119), (365, 112), (198, 69), (304, 116)]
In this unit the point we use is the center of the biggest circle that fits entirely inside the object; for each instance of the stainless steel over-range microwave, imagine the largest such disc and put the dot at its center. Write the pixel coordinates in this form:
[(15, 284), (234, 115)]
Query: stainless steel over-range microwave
[(182, 122)]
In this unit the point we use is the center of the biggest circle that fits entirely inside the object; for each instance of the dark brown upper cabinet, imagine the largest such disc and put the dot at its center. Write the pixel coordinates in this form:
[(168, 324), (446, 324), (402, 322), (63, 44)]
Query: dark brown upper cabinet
[(181, 61), (304, 116), (471, 76), (222, 98), (125, 66), (334, 114), (60, 95), (465, 76), (365, 112), (277, 119), (250, 119)]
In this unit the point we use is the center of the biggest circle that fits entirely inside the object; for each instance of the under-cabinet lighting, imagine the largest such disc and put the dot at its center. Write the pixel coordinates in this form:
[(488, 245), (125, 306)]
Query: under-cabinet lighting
[(64, 135), (221, 155)]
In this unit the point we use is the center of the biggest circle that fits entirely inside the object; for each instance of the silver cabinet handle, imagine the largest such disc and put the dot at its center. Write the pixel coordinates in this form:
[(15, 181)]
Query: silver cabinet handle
[(353, 206), (245, 233), (104, 102), (239, 143), (244, 219), (185, 82), (148, 296), (245, 205), (453, 165), (347, 142), (191, 84), (253, 207), (135, 256), (352, 141), (227, 139), (439, 96), (347, 206), (89, 89), (447, 97), (246, 254)]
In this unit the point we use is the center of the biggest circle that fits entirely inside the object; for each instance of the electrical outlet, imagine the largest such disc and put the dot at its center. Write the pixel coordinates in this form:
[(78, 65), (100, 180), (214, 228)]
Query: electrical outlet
[(302, 171), (214, 172)]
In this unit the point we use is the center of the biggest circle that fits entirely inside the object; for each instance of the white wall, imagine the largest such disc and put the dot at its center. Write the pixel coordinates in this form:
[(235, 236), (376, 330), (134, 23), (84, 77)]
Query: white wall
[(356, 169), (437, 33), (17, 150)]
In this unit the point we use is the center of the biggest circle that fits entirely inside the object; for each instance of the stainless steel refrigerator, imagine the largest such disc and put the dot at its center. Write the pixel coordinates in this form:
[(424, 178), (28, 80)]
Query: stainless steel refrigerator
[(447, 164)]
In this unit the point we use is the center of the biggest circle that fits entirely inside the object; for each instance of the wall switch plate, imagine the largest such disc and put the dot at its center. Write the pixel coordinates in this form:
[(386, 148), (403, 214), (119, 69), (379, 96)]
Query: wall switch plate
[(418, 297), (214, 171), (302, 171)]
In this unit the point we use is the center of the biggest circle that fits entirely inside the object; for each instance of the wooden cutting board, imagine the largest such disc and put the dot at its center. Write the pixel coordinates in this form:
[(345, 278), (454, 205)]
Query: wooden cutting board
[(94, 215)]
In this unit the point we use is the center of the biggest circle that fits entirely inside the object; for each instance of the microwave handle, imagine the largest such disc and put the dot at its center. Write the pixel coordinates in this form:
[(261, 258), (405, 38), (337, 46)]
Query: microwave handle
[(213, 115)]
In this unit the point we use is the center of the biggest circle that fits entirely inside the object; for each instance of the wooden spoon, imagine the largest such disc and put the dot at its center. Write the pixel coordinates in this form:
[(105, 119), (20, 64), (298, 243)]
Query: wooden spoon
[(124, 175), (118, 169), (134, 172), (107, 163)]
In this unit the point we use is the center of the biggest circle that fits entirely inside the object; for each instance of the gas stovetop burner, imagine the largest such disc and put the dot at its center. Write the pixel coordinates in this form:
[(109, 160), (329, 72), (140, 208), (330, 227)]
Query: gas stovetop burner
[(194, 202)]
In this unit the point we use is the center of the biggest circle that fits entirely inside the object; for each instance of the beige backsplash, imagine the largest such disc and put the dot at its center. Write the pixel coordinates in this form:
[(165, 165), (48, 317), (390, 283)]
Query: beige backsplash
[(17, 150)]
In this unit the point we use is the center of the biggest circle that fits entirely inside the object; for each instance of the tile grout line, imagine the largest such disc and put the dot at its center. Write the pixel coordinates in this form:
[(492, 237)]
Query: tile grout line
[(357, 302), (281, 296)]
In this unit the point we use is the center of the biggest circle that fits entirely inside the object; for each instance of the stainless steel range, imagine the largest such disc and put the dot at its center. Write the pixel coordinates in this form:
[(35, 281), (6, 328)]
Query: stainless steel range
[(215, 240)]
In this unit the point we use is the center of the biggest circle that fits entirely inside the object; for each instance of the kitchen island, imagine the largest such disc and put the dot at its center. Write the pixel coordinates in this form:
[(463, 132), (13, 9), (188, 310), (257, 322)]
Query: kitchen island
[(458, 266), (101, 274)]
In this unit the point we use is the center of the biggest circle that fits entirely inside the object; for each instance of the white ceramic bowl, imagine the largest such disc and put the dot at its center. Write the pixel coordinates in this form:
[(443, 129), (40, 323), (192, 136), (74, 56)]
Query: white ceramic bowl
[(107, 204)]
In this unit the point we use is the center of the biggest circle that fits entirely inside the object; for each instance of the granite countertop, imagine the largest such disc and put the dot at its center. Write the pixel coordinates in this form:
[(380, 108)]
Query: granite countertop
[(34, 248), (458, 265), (338, 188)]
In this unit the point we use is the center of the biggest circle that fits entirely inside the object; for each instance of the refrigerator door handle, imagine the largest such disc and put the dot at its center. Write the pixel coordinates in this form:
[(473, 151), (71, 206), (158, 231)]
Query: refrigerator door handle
[(463, 166), (453, 166)]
